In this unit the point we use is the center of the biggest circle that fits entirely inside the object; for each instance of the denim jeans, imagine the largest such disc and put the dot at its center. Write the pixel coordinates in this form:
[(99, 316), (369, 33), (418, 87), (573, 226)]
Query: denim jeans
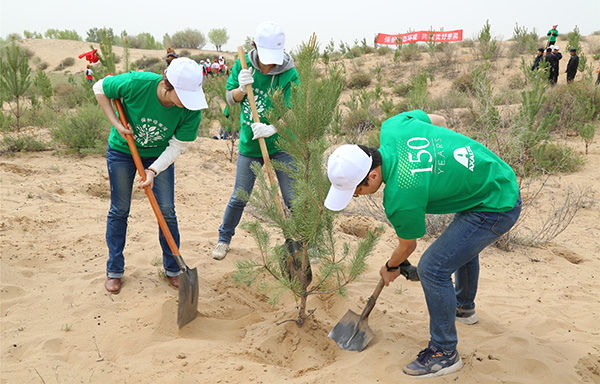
[(244, 180), (121, 172), (457, 251)]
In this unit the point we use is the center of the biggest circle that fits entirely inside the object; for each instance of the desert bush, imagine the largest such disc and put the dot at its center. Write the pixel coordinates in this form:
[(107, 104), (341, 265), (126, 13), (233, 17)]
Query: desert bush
[(545, 225), (407, 52), (69, 95), (359, 80), (464, 83), (555, 158), (384, 50), (416, 98), (578, 104), (148, 63), (67, 62), (12, 143), (402, 89), (86, 131)]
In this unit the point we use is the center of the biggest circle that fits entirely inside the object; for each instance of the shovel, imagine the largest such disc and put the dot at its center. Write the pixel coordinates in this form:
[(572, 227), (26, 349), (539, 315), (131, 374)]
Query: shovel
[(352, 332), (292, 262), (188, 279)]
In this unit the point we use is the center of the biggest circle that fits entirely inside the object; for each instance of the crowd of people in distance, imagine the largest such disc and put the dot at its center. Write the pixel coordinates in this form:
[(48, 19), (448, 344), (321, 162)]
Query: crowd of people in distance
[(552, 56)]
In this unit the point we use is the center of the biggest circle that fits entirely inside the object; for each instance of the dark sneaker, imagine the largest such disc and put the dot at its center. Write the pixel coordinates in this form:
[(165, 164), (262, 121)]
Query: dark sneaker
[(433, 362), (466, 316)]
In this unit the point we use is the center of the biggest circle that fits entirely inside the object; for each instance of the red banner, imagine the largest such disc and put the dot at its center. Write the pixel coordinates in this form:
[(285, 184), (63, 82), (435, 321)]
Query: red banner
[(413, 37)]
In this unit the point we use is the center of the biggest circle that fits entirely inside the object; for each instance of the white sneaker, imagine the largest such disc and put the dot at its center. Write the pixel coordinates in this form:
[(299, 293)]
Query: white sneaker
[(220, 251)]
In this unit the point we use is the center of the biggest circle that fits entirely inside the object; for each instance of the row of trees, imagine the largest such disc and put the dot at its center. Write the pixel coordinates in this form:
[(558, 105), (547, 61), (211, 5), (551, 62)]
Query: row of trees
[(188, 38)]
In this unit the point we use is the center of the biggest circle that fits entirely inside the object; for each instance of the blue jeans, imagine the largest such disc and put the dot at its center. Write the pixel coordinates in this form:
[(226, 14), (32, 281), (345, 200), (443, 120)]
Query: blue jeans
[(121, 172), (244, 180), (457, 251)]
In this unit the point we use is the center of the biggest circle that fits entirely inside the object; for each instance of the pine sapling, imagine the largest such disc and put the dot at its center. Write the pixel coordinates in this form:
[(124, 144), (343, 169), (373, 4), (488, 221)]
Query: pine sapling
[(303, 118)]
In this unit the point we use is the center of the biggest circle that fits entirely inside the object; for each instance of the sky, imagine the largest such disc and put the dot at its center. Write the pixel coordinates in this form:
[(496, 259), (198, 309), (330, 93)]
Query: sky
[(346, 21)]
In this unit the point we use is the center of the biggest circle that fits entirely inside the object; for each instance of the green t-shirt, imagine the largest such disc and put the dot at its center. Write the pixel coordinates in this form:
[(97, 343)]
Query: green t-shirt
[(262, 86), (553, 33), (431, 169), (153, 124)]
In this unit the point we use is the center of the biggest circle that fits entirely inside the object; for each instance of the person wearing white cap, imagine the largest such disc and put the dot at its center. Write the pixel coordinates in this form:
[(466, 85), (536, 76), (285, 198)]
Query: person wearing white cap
[(270, 69), (428, 169), (163, 113)]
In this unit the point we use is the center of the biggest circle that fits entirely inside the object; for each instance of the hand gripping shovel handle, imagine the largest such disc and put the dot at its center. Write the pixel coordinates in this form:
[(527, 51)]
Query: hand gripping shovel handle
[(261, 140), (140, 168)]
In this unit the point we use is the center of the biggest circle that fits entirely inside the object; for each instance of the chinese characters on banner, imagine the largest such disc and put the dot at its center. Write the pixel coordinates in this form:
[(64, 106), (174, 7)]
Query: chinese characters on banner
[(413, 37)]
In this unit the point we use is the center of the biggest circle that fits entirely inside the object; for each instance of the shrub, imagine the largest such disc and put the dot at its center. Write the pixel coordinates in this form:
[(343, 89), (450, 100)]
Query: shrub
[(69, 95), (553, 158), (384, 50), (402, 89), (463, 83), (579, 103), (487, 48), (359, 80), (84, 132), (20, 143), (152, 64)]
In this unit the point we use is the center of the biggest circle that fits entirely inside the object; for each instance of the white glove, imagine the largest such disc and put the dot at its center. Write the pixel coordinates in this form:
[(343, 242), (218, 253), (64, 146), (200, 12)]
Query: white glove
[(245, 78), (262, 130)]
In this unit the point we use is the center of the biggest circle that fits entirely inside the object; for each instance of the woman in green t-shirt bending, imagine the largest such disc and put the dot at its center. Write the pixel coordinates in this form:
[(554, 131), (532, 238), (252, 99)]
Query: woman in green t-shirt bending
[(163, 113)]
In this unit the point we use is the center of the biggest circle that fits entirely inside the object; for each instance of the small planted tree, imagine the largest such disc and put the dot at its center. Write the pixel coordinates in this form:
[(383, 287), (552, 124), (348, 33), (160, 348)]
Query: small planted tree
[(303, 122), (228, 117), (16, 78)]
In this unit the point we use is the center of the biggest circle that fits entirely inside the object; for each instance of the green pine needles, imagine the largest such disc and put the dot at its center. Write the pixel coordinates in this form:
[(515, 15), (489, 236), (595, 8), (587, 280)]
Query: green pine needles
[(303, 123)]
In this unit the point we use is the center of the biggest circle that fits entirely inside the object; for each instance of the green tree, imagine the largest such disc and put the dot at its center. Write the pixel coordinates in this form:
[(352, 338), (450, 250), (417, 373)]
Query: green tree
[(248, 44), (574, 42), (488, 46), (303, 122), (43, 85), (15, 79), (106, 55), (188, 38), (218, 37)]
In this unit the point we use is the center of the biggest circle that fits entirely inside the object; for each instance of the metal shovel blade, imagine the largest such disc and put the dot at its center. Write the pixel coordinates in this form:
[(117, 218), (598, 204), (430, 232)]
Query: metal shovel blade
[(352, 333), (188, 296)]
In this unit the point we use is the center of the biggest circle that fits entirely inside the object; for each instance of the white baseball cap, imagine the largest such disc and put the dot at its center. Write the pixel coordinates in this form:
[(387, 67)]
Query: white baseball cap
[(185, 75), (555, 47), (270, 41), (347, 166)]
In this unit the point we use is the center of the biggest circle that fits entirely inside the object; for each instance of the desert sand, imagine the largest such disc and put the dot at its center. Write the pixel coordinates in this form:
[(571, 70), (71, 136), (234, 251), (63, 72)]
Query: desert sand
[(538, 307)]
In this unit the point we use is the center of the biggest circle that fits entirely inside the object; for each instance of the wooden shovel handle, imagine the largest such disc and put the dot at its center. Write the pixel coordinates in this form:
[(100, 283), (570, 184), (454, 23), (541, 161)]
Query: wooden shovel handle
[(372, 299), (261, 140), (142, 172)]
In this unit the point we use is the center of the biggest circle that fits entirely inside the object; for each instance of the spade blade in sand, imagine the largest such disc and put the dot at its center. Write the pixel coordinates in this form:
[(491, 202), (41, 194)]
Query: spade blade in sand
[(352, 332)]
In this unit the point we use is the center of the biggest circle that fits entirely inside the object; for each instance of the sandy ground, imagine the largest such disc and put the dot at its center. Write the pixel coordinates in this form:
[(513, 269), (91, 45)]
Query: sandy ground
[(538, 307)]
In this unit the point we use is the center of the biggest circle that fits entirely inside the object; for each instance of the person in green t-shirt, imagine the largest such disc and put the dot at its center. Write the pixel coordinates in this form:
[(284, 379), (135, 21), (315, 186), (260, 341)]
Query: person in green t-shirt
[(428, 169), (270, 69), (552, 35), (163, 113)]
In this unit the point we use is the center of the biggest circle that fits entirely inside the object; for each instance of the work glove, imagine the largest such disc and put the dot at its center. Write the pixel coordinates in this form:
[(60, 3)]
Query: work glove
[(262, 130), (409, 271), (245, 78)]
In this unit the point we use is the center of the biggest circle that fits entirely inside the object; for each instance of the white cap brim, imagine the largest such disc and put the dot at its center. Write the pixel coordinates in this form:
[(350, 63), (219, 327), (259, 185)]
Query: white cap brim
[(338, 199), (192, 100), (270, 56)]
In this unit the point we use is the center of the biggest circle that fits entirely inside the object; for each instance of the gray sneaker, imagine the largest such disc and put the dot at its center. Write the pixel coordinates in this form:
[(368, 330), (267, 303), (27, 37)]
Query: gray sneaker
[(220, 251), (466, 316)]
